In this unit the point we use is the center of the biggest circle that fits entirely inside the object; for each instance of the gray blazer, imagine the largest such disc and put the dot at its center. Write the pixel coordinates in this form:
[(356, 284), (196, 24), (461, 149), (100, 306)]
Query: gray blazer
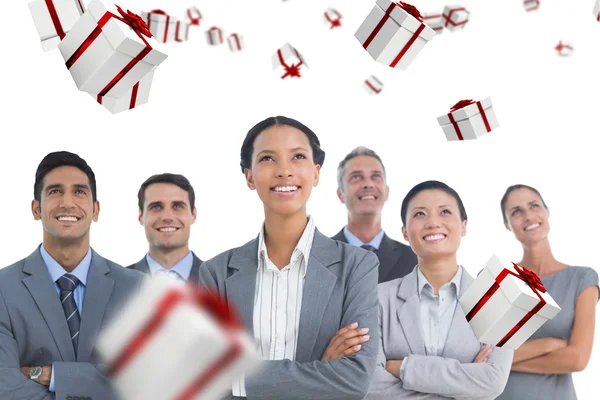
[(396, 259), (34, 331), (340, 288), (451, 375), (142, 266)]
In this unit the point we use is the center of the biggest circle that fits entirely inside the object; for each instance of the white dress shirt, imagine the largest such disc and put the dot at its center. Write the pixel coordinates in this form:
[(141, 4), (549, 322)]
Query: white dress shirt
[(277, 302), (436, 313)]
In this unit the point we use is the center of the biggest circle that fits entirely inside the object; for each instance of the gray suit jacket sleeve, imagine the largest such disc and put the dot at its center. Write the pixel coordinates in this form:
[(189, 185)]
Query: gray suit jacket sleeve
[(82, 378), (13, 384)]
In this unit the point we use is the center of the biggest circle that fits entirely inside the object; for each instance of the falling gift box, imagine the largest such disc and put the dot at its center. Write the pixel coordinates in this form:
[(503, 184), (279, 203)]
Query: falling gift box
[(455, 17), (435, 21), (214, 36), (373, 85), (332, 18), (531, 5), (564, 48), (137, 95), (288, 62), (108, 52), (597, 10), (161, 24), (182, 31), (394, 33), (194, 15), (54, 18), (505, 304), (192, 342), (468, 119), (235, 42)]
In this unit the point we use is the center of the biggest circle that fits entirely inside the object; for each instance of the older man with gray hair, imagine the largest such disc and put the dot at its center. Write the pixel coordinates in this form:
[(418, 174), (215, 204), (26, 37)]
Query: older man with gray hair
[(363, 189)]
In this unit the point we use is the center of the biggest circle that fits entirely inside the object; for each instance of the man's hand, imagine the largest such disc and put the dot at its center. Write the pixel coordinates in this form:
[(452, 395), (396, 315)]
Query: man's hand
[(44, 378), (346, 342), (483, 354), (393, 367)]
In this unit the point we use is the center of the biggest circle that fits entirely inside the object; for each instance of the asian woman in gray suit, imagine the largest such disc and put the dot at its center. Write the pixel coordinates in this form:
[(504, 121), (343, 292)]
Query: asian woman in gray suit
[(428, 350), (308, 300)]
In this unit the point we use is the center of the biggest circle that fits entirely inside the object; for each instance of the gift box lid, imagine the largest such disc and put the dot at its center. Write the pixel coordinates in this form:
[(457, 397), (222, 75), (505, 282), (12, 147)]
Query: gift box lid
[(117, 35), (518, 292), (466, 112), (406, 20)]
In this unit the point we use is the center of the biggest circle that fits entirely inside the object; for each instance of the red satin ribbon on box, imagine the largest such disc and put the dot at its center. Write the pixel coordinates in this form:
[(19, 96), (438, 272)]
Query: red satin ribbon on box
[(334, 22), (136, 23), (160, 12), (132, 99), (193, 21), (211, 303), (410, 9), (464, 103), (531, 279), (449, 21), (237, 41), (55, 20), (370, 85), (290, 70), (215, 29)]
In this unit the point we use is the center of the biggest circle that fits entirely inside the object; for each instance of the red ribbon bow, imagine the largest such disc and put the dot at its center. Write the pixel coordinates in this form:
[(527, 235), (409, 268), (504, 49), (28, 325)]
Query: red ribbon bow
[(336, 22), (158, 11), (135, 22), (461, 104), (292, 70), (410, 9), (530, 278)]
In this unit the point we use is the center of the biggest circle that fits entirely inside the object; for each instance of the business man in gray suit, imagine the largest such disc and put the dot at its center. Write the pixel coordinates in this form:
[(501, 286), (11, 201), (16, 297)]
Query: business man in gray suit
[(362, 187), (54, 303), (167, 211)]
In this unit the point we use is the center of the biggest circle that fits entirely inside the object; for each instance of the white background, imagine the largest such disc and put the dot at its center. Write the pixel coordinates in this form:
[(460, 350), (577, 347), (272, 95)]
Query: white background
[(204, 99)]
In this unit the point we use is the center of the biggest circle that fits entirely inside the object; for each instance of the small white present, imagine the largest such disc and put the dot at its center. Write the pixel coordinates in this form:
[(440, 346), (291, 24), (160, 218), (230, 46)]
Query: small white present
[(138, 95), (332, 18), (288, 61), (506, 304), (214, 36), (161, 24), (394, 33), (435, 21), (531, 5), (236, 42), (373, 85), (54, 18), (564, 48), (194, 15), (108, 51), (468, 119), (193, 344), (182, 31), (455, 17)]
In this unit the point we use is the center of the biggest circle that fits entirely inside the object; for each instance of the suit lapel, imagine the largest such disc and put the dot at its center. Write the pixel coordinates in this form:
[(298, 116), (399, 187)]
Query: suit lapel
[(42, 289), (318, 286), (195, 272), (389, 256), (340, 236), (97, 294), (409, 313), (241, 284), (461, 333), (142, 266)]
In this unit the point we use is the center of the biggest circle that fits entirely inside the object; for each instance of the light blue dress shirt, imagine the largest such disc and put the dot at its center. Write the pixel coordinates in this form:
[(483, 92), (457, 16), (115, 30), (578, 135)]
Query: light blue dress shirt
[(56, 271), (183, 266), (353, 240)]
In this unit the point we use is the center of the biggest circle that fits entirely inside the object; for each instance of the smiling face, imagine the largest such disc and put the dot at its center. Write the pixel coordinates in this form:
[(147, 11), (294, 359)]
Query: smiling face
[(364, 191), (282, 170), (167, 216), (433, 224), (66, 208), (527, 216)]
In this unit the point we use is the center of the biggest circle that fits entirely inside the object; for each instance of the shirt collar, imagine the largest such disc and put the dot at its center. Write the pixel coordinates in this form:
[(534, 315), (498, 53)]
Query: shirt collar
[(183, 267), (353, 240), (422, 281), (302, 247), (56, 270)]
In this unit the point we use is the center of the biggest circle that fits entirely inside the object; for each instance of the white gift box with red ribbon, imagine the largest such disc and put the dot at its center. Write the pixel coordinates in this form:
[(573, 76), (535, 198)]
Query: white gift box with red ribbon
[(193, 15), (373, 85), (468, 119), (434, 20), (182, 31), (161, 24), (137, 95), (192, 345), (54, 18), (109, 50), (288, 62), (455, 17), (506, 304), (564, 48), (332, 18), (531, 5), (214, 36), (236, 42), (394, 33)]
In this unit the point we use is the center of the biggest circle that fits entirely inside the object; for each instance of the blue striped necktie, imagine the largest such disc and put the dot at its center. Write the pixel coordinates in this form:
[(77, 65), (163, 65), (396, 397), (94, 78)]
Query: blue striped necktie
[(370, 248), (67, 284)]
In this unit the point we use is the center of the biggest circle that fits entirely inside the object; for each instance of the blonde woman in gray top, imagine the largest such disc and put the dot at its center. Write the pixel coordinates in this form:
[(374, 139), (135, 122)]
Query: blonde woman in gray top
[(543, 365)]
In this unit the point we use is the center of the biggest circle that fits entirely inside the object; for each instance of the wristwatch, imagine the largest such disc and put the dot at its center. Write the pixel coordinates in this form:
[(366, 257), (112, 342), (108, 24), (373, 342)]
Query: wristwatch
[(35, 373)]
